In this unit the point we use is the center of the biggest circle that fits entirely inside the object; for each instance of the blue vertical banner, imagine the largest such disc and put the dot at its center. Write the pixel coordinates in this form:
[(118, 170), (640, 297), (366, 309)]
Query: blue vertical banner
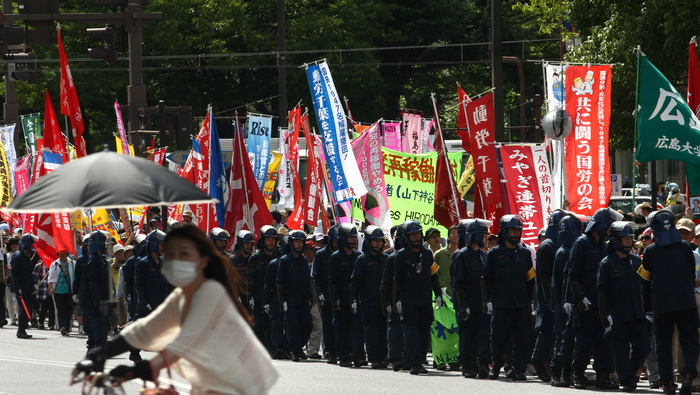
[(217, 179), (343, 171), (259, 139)]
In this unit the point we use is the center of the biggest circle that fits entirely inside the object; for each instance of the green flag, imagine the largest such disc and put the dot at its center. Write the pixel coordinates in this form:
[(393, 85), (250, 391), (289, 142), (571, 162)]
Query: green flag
[(444, 336), (666, 127), (32, 131)]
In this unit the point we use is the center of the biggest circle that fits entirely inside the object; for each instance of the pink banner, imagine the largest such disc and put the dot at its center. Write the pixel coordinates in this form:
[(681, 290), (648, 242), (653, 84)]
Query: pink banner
[(122, 131), (426, 146), (412, 127), (522, 189), (368, 152), (392, 135), (22, 174)]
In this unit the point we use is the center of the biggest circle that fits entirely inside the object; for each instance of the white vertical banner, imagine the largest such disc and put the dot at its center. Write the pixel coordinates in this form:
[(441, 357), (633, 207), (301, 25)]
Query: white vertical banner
[(285, 184), (7, 133), (544, 182), (427, 146), (556, 86), (558, 176)]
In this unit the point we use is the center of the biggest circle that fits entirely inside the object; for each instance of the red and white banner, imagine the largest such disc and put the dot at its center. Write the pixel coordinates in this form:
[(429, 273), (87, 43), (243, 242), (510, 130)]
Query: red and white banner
[(544, 181), (53, 138), (368, 152), (196, 169), (70, 106), (289, 185), (522, 189), (412, 126), (587, 161), (488, 201), (392, 135), (307, 210), (159, 156), (462, 123)]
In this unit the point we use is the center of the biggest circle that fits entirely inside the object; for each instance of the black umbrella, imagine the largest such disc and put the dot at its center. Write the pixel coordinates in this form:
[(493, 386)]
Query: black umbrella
[(107, 180)]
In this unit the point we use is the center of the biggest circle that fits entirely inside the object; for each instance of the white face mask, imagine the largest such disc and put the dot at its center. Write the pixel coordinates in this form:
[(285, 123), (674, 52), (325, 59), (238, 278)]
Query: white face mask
[(178, 272)]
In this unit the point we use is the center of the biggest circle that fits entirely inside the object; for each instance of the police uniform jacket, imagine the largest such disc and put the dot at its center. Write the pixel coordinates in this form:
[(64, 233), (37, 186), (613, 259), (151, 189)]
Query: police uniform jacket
[(560, 281), (545, 262), (507, 273), (367, 277), (293, 275), (257, 268), (22, 273), (619, 279), (148, 277), (467, 269), (671, 270), (585, 257), (96, 277), (412, 276), (319, 269)]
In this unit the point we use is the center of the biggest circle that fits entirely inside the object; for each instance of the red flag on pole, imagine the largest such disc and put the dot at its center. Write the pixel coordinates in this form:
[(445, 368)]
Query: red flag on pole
[(693, 97), (246, 207), (448, 208), (53, 139), (70, 106), (462, 124)]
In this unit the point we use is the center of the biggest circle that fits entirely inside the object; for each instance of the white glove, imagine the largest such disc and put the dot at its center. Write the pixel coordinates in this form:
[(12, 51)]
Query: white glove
[(532, 309), (438, 302), (444, 292), (489, 308), (388, 309), (353, 307), (586, 303), (75, 299), (568, 308), (148, 306), (251, 302), (284, 306), (321, 299), (398, 307), (650, 318), (610, 321), (266, 309)]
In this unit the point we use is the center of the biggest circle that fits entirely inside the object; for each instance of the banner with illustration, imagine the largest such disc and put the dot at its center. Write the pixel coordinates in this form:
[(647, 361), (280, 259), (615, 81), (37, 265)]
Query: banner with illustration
[(273, 169), (467, 179), (368, 151), (410, 186), (556, 86), (587, 158)]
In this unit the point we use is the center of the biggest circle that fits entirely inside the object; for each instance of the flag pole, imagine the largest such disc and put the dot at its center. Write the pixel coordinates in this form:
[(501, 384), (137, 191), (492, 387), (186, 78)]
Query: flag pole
[(636, 130)]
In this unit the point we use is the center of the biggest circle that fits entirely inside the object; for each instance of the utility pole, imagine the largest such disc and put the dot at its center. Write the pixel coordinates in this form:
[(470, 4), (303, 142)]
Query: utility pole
[(497, 68), (282, 63)]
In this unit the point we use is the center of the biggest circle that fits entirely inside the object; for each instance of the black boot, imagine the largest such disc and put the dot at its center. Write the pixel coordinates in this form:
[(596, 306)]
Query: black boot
[(686, 385), (542, 373), (565, 377), (22, 334), (483, 370), (669, 388), (468, 373), (495, 372), (556, 377), (603, 382), (580, 381)]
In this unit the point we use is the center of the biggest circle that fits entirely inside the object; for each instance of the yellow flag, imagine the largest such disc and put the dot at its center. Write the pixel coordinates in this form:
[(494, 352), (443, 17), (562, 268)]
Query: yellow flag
[(467, 179), (102, 221), (6, 184), (272, 172)]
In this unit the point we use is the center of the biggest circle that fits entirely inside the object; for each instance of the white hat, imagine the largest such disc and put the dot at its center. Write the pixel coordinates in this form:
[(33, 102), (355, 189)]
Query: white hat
[(117, 247)]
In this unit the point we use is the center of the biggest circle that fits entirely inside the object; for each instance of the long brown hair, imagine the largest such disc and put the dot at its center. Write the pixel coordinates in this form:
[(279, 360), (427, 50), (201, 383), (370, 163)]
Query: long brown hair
[(216, 268)]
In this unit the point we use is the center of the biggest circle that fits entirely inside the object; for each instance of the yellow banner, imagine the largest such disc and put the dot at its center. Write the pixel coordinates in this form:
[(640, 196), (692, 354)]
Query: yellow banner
[(272, 173), (118, 142), (102, 221), (5, 180), (467, 179)]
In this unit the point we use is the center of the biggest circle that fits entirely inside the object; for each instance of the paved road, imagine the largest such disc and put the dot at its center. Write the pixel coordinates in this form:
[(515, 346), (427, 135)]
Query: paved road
[(42, 365)]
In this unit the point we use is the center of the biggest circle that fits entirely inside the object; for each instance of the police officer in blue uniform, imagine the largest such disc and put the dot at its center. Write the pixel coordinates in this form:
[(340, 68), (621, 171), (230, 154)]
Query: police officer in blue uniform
[(95, 289), (319, 274), (508, 286), (394, 334), (586, 254), (340, 265), (365, 286), (128, 271), (221, 238), (570, 229), (23, 262), (413, 281), (668, 267), (544, 321), (255, 281), (151, 287), (272, 307), (294, 292), (620, 306), (466, 271), (242, 250)]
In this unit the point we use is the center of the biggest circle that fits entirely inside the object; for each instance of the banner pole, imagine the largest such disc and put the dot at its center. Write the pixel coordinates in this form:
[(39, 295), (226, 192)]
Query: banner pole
[(636, 130)]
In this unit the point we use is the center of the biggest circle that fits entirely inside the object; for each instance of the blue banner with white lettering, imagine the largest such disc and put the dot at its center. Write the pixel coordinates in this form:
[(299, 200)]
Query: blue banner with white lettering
[(259, 140), (343, 171)]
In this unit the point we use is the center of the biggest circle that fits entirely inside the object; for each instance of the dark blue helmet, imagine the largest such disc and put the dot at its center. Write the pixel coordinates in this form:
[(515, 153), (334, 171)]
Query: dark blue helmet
[(297, 235), (333, 234), (507, 222), (373, 232), (409, 227), (140, 245), (344, 231), (462, 240), (553, 224), (98, 242), (153, 239), (26, 242), (267, 231), (570, 229), (472, 231), (620, 229), (663, 225), (398, 238), (601, 221), (244, 236)]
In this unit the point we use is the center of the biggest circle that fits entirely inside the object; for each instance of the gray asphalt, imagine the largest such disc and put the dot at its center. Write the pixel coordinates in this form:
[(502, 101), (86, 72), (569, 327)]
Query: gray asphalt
[(42, 365)]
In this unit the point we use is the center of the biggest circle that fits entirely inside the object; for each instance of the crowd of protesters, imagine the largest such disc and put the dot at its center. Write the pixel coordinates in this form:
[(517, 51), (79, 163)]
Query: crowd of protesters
[(622, 293)]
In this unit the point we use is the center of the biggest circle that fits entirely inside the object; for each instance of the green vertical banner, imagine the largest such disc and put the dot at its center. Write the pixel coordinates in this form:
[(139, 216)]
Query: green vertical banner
[(31, 126), (444, 336)]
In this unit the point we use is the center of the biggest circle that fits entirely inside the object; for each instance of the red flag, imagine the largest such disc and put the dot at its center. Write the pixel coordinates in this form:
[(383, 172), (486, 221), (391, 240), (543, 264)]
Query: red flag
[(306, 211), (448, 208), (246, 207), (69, 100), (462, 124), (693, 97), (295, 124), (53, 139), (196, 170)]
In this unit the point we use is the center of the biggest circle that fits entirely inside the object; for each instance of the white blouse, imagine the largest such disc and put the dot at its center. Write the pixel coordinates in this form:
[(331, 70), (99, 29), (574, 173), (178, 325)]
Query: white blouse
[(217, 348)]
